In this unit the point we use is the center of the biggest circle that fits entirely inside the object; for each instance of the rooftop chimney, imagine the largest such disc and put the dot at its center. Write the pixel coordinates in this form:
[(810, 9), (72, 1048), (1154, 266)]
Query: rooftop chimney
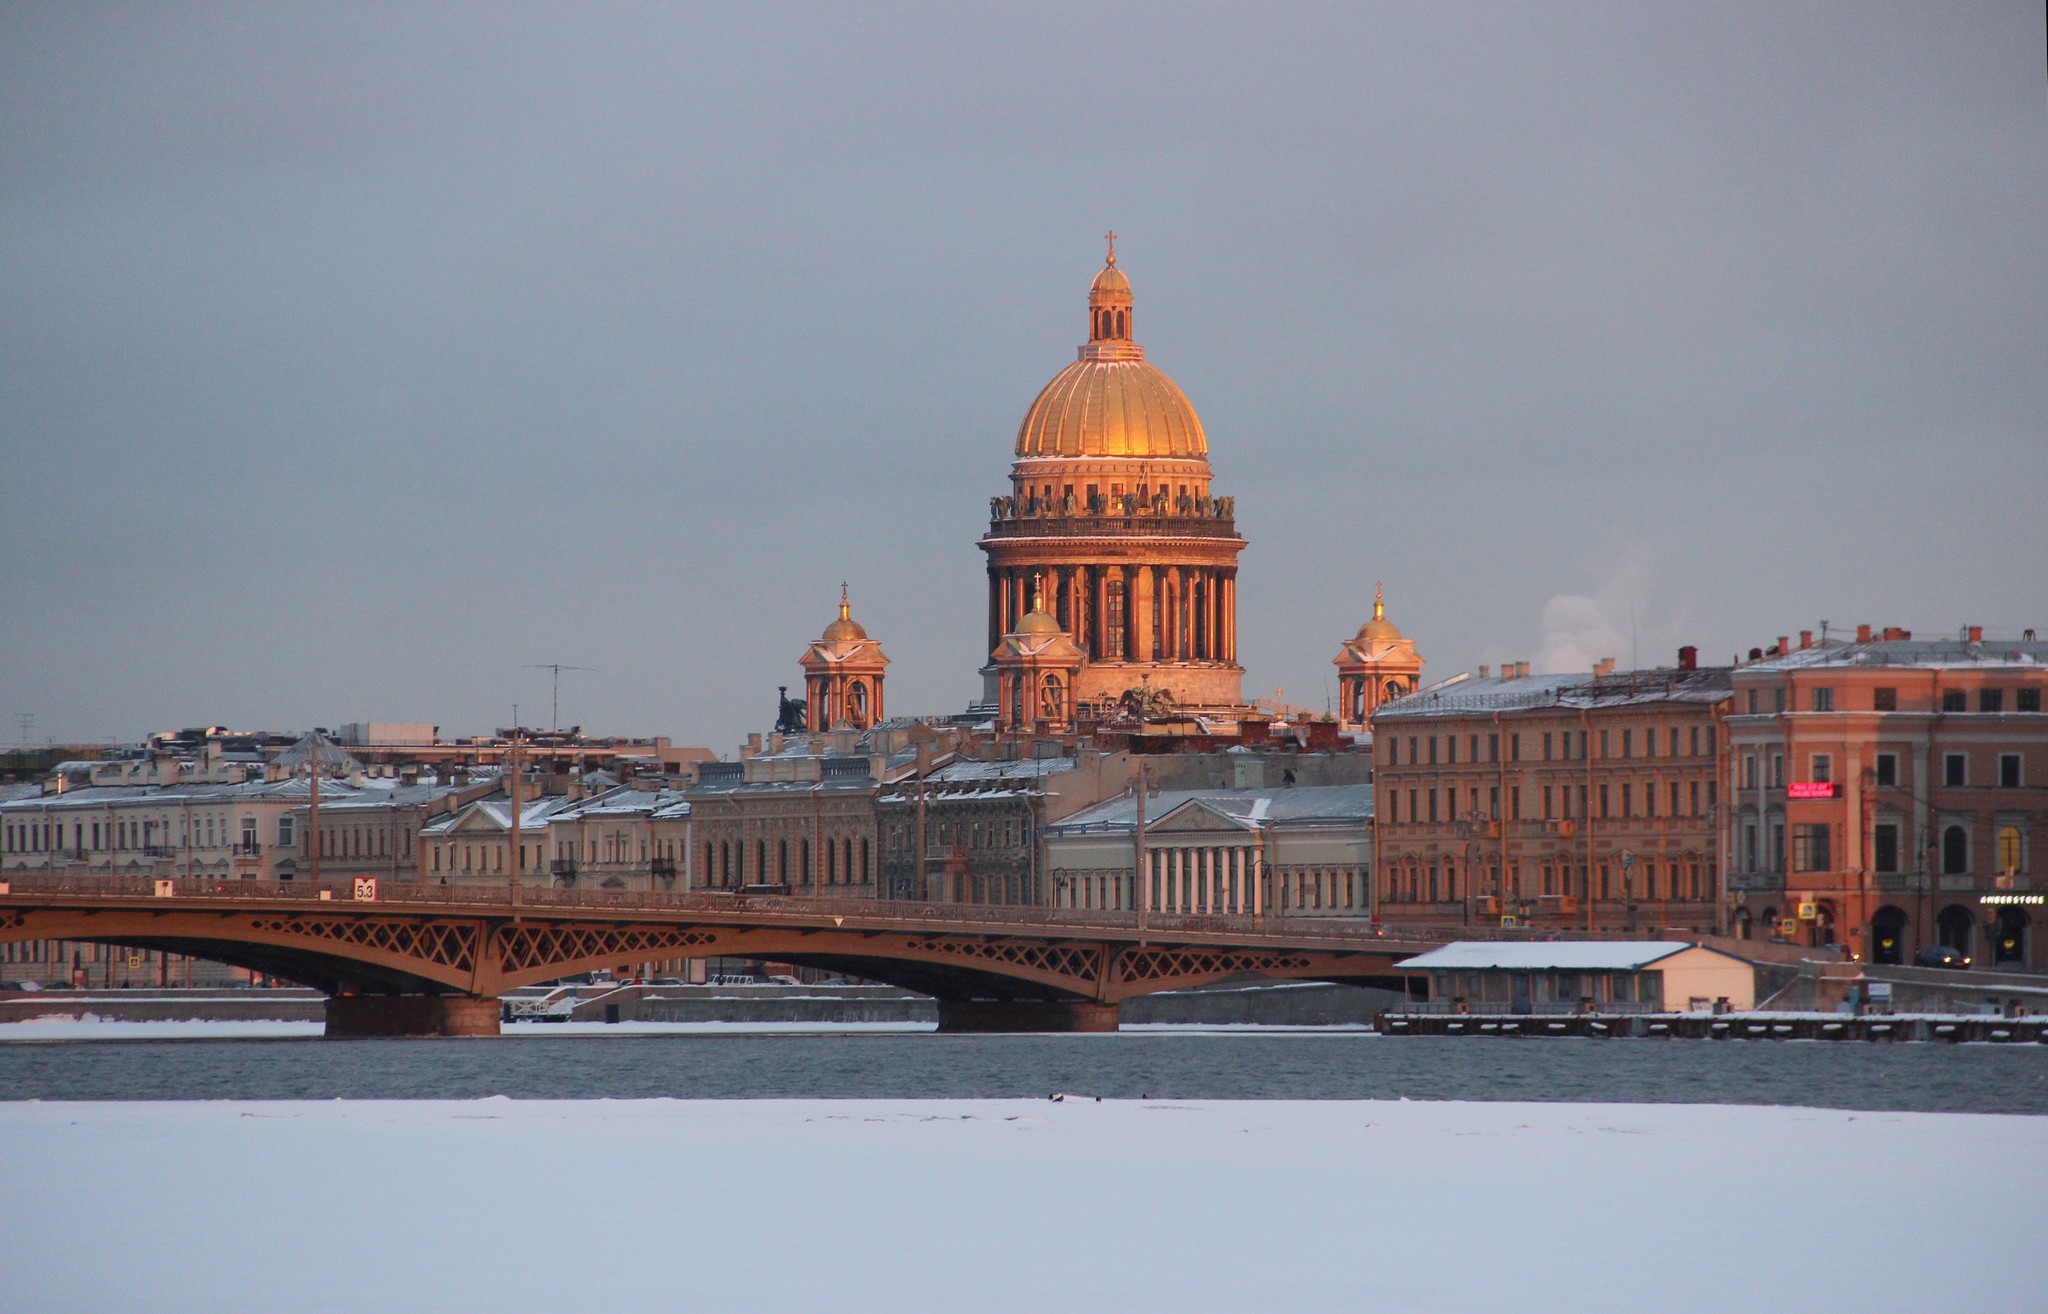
[(1688, 658), (1486, 671), (1976, 634), (1806, 638), (1863, 634), (1522, 670), (1605, 666), (1784, 644)]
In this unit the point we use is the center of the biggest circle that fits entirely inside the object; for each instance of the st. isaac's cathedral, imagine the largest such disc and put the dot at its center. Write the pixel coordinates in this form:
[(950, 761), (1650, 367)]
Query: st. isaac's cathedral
[(1112, 567)]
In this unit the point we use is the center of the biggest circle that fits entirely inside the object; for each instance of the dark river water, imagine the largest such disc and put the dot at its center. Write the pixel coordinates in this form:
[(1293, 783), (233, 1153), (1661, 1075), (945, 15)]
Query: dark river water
[(1184, 1065)]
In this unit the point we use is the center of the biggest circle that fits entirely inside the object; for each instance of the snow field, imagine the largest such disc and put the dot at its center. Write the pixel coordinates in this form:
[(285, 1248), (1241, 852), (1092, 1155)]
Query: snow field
[(907, 1206)]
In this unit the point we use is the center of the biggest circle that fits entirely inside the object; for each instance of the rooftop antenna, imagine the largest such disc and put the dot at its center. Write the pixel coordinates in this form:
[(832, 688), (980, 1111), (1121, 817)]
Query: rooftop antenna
[(27, 722), (555, 706)]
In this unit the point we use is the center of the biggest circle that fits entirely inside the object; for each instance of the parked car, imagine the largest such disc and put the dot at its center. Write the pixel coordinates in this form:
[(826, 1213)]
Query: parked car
[(1941, 955)]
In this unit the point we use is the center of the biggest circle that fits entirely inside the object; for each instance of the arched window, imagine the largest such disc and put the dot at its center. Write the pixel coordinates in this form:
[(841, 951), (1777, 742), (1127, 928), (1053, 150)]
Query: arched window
[(1052, 698), (2009, 848), (857, 704), (1122, 325), (1955, 851)]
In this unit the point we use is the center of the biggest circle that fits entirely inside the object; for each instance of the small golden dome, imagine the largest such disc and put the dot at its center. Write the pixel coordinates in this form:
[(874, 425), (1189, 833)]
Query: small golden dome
[(1037, 622), (1379, 627), (1110, 281), (846, 627)]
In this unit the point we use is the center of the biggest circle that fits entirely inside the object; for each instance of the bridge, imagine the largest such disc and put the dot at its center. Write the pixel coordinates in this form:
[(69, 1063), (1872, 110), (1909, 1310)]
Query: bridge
[(433, 959)]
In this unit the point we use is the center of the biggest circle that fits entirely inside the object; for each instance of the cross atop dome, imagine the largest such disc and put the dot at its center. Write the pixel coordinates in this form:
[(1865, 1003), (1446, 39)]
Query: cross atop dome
[(1112, 247)]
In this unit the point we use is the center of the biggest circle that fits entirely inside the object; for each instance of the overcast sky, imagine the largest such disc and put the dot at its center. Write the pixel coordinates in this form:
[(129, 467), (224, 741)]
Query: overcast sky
[(354, 357)]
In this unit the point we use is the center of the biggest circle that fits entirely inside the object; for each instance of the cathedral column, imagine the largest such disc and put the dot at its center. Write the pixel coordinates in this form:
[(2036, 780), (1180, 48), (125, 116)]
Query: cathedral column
[(995, 608), (1215, 608), (1140, 616), (1100, 619), (1202, 621), (1176, 592), (1084, 593), (1230, 616)]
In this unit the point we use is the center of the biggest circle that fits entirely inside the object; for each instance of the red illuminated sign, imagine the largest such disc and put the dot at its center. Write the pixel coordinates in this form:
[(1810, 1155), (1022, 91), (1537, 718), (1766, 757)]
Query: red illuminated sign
[(1810, 789)]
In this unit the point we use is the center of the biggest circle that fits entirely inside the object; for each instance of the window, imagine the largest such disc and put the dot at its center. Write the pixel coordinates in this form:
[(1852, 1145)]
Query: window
[(1749, 846), (1675, 798), (1603, 745), (1627, 737), (1393, 752), (1823, 768), (1955, 851), (1432, 750), (1777, 771), (1885, 700), (1823, 700), (1450, 748), (1749, 770), (1952, 700), (285, 836), (1955, 769), (1778, 698), (1515, 802), (2028, 700), (1809, 848), (1694, 739), (2008, 770), (1888, 770), (1603, 800), (1884, 846), (1991, 700), (1751, 705), (1493, 748), (1492, 802), (2009, 849), (1514, 748), (1694, 791), (1546, 746), (1475, 749)]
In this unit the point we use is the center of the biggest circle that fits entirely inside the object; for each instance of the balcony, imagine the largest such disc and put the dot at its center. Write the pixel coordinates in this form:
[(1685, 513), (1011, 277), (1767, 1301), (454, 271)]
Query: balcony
[(1083, 525)]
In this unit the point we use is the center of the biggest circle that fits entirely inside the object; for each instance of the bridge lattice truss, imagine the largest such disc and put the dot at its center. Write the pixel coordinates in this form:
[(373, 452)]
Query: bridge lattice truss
[(379, 947)]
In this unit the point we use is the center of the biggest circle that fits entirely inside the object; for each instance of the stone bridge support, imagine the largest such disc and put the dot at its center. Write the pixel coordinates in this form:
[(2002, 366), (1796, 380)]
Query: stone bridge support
[(355, 1017)]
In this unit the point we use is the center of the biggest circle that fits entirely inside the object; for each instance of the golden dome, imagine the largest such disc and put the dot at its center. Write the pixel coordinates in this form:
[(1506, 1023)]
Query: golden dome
[(846, 627), (1037, 622), (1379, 627), (1111, 402), (1111, 408)]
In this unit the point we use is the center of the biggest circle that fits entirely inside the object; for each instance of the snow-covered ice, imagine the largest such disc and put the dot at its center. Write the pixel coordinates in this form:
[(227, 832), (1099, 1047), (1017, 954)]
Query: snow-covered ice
[(902, 1206)]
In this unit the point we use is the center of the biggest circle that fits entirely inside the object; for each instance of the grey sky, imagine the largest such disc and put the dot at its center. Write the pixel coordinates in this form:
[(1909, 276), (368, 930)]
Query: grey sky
[(353, 357)]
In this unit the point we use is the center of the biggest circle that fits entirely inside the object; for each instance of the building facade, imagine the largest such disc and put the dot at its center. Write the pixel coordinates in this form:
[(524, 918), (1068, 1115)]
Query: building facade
[(1891, 794), (1565, 802), (1288, 852)]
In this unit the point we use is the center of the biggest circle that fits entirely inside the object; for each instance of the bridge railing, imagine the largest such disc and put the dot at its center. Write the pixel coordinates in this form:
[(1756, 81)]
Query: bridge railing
[(766, 907)]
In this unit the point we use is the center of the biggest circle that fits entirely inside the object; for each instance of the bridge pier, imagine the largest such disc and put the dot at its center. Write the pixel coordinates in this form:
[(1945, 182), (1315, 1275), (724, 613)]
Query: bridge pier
[(359, 1016), (1027, 1015)]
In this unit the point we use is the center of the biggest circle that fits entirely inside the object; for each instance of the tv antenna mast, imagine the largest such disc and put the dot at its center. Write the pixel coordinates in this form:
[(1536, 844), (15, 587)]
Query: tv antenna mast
[(555, 708)]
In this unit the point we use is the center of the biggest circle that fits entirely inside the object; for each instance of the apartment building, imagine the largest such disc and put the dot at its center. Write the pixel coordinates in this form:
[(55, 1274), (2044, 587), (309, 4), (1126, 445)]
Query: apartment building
[(1583, 802), (1891, 793)]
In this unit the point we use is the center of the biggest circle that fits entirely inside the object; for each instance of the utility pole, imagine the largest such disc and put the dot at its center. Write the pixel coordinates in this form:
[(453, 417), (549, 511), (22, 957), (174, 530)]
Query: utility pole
[(512, 786), (555, 708), (1140, 876)]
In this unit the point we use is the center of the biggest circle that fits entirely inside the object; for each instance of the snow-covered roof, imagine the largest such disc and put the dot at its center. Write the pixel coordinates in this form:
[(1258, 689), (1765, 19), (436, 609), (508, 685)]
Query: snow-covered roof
[(1545, 955), (1299, 805), (1528, 693), (1919, 653)]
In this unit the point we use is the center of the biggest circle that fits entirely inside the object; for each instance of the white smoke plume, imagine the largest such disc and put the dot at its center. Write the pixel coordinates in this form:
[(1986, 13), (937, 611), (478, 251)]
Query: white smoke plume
[(1580, 629)]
